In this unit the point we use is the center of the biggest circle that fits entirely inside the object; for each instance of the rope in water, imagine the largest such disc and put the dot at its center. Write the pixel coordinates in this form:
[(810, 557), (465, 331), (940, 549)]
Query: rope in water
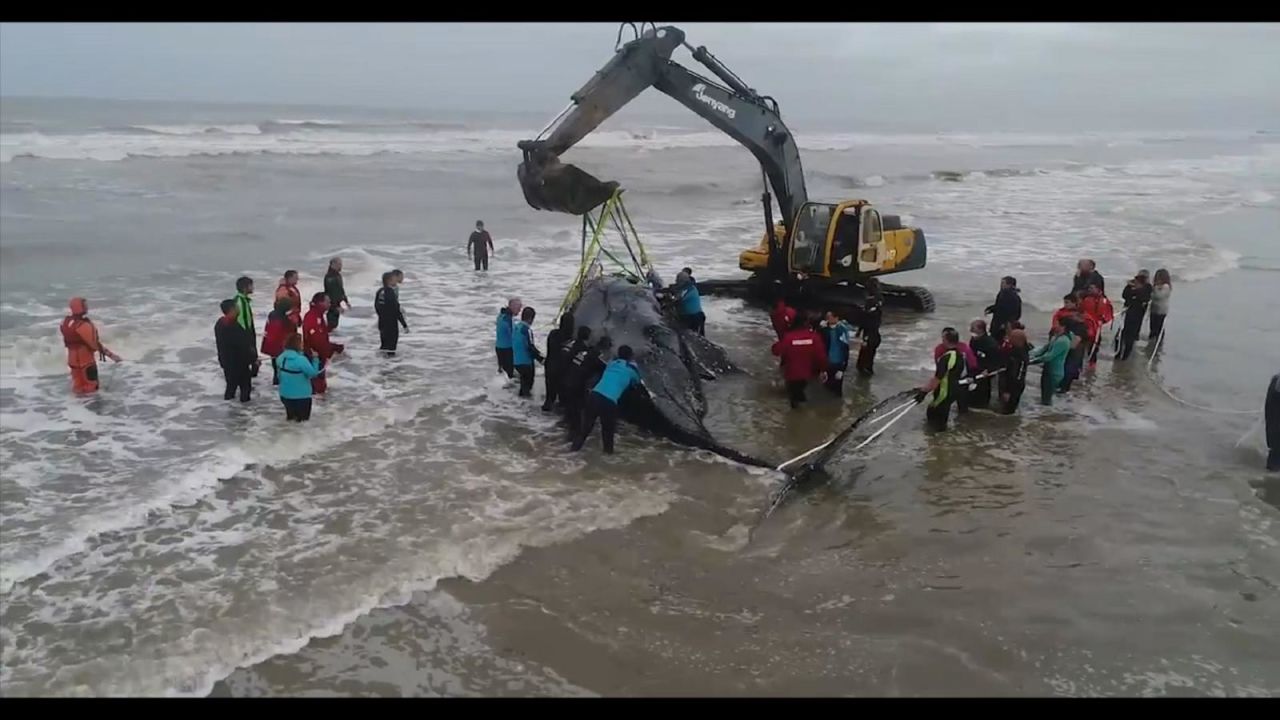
[(1151, 376)]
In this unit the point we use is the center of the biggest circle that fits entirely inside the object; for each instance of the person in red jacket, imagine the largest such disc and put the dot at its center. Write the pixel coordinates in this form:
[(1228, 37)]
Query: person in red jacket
[(804, 357), (279, 327), (315, 339), (1098, 310), (782, 316)]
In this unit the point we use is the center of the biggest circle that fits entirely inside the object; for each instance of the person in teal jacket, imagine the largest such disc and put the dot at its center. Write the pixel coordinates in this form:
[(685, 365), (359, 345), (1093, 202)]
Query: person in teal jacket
[(1053, 355), (620, 375), (296, 371), (690, 303)]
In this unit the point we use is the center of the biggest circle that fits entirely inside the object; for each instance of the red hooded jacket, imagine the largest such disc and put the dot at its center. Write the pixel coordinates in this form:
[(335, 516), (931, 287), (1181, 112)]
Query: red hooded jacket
[(803, 353), (1099, 308), (782, 316), (315, 334), (279, 328)]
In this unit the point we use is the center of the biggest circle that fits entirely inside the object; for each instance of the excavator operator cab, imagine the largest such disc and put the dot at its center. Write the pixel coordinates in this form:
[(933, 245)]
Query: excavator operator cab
[(844, 240)]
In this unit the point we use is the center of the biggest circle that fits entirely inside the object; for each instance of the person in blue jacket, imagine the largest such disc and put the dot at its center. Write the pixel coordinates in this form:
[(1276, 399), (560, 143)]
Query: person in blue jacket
[(838, 336), (523, 351), (602, 402), (502, 337), (689, 303), (296, 371)]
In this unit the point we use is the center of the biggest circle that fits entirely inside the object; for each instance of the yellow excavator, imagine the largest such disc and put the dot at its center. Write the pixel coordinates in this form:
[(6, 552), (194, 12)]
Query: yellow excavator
[(820, 254)]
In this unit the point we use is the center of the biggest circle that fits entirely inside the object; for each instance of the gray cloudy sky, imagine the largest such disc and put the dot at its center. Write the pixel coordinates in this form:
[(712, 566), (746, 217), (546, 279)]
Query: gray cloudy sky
[(942, 76)]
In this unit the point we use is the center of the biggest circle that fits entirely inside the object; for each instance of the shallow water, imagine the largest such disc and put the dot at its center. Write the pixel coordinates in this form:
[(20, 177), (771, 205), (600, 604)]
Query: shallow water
[(427, 533)]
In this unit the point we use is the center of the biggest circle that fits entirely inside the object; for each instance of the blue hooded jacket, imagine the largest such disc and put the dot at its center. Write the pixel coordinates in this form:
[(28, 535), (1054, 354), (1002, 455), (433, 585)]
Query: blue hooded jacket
[(296, 372), (503, 338), (618, 375), (838, 343), (690, 300), (521, 344)]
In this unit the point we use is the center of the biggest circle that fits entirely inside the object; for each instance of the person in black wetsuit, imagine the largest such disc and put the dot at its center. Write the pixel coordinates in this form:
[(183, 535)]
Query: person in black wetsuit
[(1272, 414), (1006, 309), (236, 352), (945, 381), (869, 329), (337, 293), (559, 343), (479, 245), (585, 368), (1014, 378), (1137, 296), (989, 360), (1087, 274), (390, 316), (1075, 324)]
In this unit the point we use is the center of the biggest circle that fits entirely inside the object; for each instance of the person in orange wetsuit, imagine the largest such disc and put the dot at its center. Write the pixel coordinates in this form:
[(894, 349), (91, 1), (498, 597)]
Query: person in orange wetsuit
[(804, 357), (315, 339), (84, 348), (288, 288)]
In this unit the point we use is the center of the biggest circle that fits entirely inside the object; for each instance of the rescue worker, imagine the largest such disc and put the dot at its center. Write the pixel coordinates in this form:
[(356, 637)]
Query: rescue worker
[(782, 316), (1070, 306), (1079, 329), (1087, 274), (869, 329), (620, 375), (987, 351), (1014, 378), (969, 369), (84, 348), (966, 352), (584, 370), (244, 288), (279, 327), (839, 335), (1006, 309), (315, 339), (804, 357), (296, 369), (390, 317), (559, 342), (523, 351), (288, 288), (479, 245), (1053, 356), (337, 293), (1161, 291), (502, 336), (689, 303), (1098, 311), (945, 381), (1272, 415), (1137, 296), (237, 356)]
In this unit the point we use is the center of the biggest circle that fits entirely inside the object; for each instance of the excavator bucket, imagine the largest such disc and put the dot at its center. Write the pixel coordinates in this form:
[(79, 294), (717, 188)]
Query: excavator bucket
[(549, 184)]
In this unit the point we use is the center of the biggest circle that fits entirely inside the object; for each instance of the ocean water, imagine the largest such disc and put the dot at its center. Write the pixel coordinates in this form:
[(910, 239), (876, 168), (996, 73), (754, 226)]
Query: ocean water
[(428, 533)]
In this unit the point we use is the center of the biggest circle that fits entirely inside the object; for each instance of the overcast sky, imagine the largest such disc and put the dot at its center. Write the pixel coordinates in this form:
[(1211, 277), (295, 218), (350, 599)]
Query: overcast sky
[(944, 76)]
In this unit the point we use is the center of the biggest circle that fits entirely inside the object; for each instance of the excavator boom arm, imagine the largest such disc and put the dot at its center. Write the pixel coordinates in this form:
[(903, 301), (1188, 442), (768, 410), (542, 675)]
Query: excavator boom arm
[(736, 110)]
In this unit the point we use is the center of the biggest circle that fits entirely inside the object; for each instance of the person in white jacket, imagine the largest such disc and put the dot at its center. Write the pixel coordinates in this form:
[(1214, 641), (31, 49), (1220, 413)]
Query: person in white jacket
[(1161, 289)]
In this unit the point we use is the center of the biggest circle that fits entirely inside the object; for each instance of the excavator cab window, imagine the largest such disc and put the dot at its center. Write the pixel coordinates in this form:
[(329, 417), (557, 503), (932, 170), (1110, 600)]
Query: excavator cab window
[(809, 245), (871, 249), (844, 248)]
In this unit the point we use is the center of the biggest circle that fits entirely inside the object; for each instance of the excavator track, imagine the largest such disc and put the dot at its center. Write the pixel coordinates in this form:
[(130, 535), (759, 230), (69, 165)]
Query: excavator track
[(833, 296)]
